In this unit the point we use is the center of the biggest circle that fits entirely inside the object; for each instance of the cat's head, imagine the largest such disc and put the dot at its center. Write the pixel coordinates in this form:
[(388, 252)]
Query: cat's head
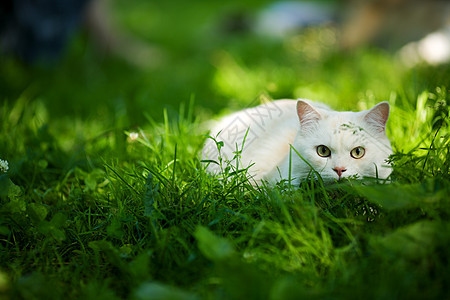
[(343, 144)]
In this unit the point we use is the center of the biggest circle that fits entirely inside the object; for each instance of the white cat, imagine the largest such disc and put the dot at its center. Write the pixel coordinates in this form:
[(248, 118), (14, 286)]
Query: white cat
[(285, 139)]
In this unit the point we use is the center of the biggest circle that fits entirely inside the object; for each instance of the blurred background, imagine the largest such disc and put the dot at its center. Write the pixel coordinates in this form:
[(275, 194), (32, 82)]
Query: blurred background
[(119, 62)]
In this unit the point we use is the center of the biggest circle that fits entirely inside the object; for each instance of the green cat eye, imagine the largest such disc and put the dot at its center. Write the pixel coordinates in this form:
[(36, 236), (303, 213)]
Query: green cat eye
[(323, 151), (357, 152)]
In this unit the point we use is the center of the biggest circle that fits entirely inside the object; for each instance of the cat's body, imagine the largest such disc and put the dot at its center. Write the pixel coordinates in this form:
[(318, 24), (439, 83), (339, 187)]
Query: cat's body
[(335, 144)]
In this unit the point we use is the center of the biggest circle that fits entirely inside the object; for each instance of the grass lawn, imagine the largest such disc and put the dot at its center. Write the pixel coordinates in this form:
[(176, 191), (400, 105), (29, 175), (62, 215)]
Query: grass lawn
[(105, 196)]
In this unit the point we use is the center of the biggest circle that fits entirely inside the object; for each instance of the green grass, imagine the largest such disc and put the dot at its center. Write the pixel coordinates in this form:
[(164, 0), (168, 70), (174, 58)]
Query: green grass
[(88, 212)]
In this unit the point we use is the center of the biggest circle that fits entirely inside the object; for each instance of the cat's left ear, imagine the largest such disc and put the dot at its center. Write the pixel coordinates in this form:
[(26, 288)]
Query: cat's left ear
[(377, 116), (307, 114)]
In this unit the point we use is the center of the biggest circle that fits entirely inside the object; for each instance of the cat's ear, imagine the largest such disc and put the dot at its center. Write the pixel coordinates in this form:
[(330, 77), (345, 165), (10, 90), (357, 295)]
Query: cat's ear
[(377, 116), (307, 114)]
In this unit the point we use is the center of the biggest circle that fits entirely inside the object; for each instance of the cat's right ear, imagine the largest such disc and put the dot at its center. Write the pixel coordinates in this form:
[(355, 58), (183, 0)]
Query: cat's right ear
[(377, 116), (307, 114)]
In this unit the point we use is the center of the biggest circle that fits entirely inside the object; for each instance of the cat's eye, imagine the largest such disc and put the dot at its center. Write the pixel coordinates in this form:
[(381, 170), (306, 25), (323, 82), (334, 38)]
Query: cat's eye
[(323, 151), (357, 152)]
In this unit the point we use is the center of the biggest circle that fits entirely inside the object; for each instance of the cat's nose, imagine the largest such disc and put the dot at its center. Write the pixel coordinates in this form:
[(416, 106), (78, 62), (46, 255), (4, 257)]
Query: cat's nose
[(339, 170)]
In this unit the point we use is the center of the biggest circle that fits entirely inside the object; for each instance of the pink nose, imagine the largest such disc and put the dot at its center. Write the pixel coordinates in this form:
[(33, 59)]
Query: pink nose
[(339, 170)]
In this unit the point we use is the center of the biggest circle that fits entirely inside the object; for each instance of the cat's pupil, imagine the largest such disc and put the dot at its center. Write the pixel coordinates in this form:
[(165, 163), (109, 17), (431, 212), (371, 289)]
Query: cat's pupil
[(323, 151), (357, 152)]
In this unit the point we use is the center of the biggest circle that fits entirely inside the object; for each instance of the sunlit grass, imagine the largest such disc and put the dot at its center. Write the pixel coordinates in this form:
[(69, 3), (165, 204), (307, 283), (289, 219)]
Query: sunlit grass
[(131, 216)]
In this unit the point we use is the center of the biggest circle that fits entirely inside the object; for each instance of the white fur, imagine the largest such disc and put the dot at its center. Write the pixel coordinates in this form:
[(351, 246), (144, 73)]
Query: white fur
[(272, 128)]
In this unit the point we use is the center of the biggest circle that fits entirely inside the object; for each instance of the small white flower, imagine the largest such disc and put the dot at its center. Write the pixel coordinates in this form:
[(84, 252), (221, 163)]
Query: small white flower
[(133, 136), (3, 165)]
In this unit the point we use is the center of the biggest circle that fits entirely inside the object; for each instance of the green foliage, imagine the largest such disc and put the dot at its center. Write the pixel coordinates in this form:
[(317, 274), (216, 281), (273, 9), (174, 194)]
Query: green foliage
[(106, 197)]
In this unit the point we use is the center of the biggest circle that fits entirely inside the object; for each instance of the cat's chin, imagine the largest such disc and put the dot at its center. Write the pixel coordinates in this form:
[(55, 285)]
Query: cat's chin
[(339, 180), (331, 181)]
